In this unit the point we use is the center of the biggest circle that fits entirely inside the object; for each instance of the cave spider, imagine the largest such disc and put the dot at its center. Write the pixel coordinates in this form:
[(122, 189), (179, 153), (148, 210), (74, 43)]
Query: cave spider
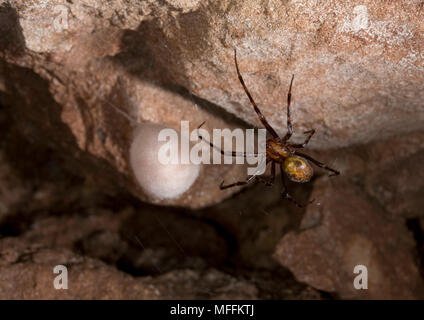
[(279, 151)]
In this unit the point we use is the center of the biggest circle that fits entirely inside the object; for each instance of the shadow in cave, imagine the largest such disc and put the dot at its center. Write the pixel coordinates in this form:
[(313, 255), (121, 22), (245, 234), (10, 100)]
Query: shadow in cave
[(415, 227), (149, 55), (12, 41), (38, 157)]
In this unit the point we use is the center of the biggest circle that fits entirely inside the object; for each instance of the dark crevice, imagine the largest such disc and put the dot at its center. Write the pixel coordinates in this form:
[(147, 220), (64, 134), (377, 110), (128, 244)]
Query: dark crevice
[(415, 227), (328, 295), (230, 240), (127, 266)]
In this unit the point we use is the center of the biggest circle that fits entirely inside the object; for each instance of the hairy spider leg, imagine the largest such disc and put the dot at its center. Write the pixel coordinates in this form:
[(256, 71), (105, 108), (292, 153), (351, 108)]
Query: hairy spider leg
[(310, 133), (258, 112), (269, 182), (319, 164), (289, 123)]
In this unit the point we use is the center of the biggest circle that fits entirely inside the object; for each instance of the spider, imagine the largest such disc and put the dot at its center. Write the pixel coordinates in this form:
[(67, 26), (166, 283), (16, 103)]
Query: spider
[(279, 151)]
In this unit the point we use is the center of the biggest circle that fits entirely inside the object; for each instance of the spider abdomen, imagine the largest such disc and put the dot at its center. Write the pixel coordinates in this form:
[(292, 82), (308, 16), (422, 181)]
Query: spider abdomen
[(298, 169)]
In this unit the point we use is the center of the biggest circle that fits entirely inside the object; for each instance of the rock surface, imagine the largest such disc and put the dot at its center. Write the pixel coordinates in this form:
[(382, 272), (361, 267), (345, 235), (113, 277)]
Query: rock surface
[(152, 253), (26, 272), (68, 67), (345, 229), (78, 78), (56, 217)]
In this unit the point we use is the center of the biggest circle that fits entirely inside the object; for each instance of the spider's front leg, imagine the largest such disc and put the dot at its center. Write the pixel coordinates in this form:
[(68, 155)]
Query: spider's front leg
[(310, 133), (255, 107), (289, 123), (319, 164), (269, 182)]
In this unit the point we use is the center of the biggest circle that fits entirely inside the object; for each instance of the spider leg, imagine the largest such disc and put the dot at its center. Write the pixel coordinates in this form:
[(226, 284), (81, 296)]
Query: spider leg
[(238, 183), (319, 164), (231, 153), (258, 112), (310, 133), (286, 194), (250, 179), (289, 124)]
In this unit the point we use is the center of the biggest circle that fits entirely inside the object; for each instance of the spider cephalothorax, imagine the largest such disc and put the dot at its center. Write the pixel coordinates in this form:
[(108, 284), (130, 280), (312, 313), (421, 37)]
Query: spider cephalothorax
[(297, 168), (279, 151)]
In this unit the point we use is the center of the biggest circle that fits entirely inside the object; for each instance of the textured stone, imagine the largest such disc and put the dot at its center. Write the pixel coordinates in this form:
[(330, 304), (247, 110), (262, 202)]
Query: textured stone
[(344, 229), (358, 64), (68, 67), (389, 170), (400, 187), (78, 78), (26, 272), (12, 191)]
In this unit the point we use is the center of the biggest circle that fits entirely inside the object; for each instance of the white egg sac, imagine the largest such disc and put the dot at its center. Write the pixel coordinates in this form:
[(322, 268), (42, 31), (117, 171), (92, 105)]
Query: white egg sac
[(159, 181)]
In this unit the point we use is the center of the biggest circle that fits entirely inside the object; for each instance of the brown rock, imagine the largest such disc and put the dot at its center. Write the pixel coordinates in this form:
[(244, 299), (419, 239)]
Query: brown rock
[(390, 171), (78, 79), (67, 67), (256, 219), (165, 239), (150, 240), (212, 284), (357, 64), (344, 229), (85, 125), (400, 187), (26, 272), (12, 191)]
